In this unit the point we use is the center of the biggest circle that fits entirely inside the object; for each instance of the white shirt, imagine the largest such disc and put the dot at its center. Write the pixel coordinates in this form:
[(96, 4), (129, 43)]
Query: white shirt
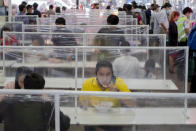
[(127, 67), (163, 18), (156, 27)]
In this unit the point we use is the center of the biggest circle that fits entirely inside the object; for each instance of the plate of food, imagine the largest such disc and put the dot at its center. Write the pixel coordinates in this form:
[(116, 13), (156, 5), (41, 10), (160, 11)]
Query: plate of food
[(103, 106)]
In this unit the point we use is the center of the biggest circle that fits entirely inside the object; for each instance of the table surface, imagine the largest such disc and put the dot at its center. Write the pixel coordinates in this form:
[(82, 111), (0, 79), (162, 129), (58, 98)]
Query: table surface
[(7, 63), (133, 84), (128, 116)]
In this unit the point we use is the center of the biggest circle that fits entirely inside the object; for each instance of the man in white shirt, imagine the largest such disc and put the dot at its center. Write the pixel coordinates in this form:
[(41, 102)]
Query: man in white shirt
[(127, 66), (163, 18)]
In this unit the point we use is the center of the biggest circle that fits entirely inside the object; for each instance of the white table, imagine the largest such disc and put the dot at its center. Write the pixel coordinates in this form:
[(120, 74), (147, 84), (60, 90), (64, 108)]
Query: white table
[(129, 116), (66, 64), (133, 84), (7, 63)]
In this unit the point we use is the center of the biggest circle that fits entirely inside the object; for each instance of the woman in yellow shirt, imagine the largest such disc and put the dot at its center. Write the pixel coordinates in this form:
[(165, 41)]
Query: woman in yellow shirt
[(104, 81)]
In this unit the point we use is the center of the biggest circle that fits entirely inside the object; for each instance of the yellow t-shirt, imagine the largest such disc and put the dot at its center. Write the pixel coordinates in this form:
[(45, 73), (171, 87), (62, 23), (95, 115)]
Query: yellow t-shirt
[(92, 85)]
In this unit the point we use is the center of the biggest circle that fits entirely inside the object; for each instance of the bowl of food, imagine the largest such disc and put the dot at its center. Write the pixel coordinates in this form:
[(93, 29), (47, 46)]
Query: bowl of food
[(103, 106)]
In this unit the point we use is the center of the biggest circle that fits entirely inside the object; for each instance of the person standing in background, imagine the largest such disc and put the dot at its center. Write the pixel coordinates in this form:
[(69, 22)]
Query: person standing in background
[(173, 31), (149, 14), (155, 20), (163, 19), (64, 9), (36, 12), (58, 10), (173, 39), (29, 10), (184, 26), (51, 11)]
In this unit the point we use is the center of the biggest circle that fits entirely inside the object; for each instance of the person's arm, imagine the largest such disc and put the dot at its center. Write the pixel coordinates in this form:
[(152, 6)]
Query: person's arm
[(10, 85), (124, 88), (187, 31), (64, 122), (140, 20), (64, 119), (187, 26), (83, 100), (164, 27), (162, 20)]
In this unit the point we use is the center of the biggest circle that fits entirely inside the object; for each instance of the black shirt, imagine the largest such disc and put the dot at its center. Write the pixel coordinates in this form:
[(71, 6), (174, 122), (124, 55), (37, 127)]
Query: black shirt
[(173, 34), (28, 115)]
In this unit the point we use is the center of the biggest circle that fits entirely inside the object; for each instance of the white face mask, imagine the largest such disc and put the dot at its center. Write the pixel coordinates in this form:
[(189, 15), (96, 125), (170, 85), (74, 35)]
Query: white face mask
[(104, 81)]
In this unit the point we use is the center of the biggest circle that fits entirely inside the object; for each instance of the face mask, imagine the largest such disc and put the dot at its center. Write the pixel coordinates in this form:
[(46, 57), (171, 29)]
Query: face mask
[(104, 81), (168, 12)]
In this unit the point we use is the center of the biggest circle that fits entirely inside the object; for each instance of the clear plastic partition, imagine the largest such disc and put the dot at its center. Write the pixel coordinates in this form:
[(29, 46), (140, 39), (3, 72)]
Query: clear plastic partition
[(56, 64), (26, 19), (91, 20), (64, 37), (43, 21), (141, 68), (92, 110), (33, 38), (122, 29), (14, 26), (35, 111), (115, 37)]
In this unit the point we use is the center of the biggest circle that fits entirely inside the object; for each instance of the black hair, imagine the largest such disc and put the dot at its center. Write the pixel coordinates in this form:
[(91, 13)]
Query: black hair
[(21, 7), (58, 10), (149, 66), (187, 10), (166, 5), (19, 72), (125, 7), (144, 7), (125, 43), (60, 21), (129, 7), (4, 29), (51, 7), (24, 3), (35, 5), (39, 39), (104, 63), (112, 20), (134, 4), (64, 8), (108, 7), (34, 81), (29, 6), (120, 9)]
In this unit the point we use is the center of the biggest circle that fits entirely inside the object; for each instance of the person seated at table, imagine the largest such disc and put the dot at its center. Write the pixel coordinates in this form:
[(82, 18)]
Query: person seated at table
[(127, 66), (150, 69), (10, 40), (110, 40), (29, 113), (18, 83), (62, 40), (104, 81), (37, 40), (107, 39)]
